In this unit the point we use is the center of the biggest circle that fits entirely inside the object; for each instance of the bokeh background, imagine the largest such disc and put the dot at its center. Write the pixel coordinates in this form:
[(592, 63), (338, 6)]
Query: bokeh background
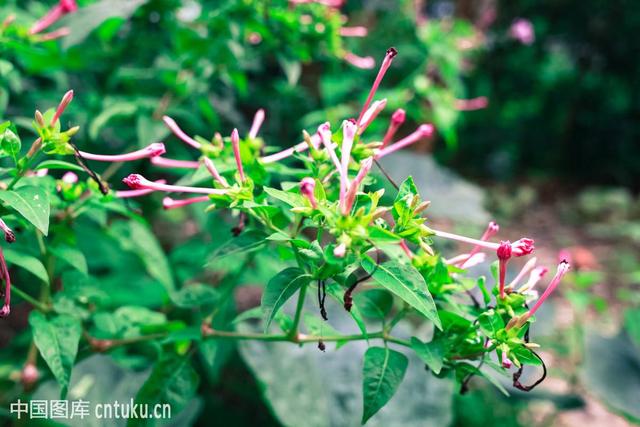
[(536, 103)]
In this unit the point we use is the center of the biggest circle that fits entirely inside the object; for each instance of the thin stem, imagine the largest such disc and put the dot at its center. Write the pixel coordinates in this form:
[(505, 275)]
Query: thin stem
[(296, 318), (31, 300)]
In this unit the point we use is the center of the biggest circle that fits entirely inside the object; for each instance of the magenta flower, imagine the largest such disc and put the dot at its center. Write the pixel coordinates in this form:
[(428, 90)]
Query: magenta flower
[(522, 30), (58, 11), (208, 163), (423, 131), (354, 31), (362, 62), (138, 182), (164, 162), (506, 362), (66, 99), (152, 150), (9, 235), (169, 203), (386, 63), (472, 104), (4, 275), (125, 194), (235, 143), (397, 119), (258, 119), (505, 251), (173, 127), (307, 187), (563, 268), (370, 115)]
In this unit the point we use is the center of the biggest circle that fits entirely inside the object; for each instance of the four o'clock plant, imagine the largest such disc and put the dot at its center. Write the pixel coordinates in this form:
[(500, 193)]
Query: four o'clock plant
[(321, 204)]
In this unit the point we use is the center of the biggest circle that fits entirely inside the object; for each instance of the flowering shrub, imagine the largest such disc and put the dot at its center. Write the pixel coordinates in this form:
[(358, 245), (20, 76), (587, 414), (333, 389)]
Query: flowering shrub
[(318, 205)]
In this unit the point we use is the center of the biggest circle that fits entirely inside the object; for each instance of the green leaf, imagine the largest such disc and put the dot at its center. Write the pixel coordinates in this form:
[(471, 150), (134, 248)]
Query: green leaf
[(632, 324), (247, 242), (194, 295), (383, 372), (431, 353), (59, 164), (30, 263), (490, 322), (291, 199), (374, 303), (10, 143), (32, 203), (279, 289), (57, 340), (173, 381), (405, 282), (71, 256), (86, 19)]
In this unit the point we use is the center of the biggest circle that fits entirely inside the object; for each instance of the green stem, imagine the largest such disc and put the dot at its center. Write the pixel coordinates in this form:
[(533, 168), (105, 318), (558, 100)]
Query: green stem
[(296, 318), (31, 300)]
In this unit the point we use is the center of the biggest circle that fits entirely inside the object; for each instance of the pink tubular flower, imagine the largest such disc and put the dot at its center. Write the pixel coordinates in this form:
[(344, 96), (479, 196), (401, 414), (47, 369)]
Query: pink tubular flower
[(405, 248), (386, 63), (472, 104), (175, 129), (371, 114), (324, 130), (467, 260), (9, 235), (534, 277), (340, 251), (523, 272), (235, 143), (348, 134), (58, 11), (354, 31), (491, 230), (298, 148), (54, 35), (423, 131), (138, 182), (397, 119), (307, 187), (258, 119), (163, 162), (208, 163), (66, 99), (126, 194), (4, 273), (504, 254), (151, 150), (522, 30), (169, 203), (506, 362), (362, 62), (522, 247), (563, 268), (346, 203)]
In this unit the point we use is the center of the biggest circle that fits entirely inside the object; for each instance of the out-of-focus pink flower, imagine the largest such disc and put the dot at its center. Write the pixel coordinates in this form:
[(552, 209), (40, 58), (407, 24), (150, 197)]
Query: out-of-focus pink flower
[(472, 104), (340, 250), (328, 3), (522, 30), (354, 31), (164, 162), (54, 35), (363, 62), (4, 272), (523, 272), (55, 13), (258, 119), (298, 148), (347, 202), (506, 362), (492, 229), (69, 178), (152, 150), (255, 38), (307, 187), (173, 127), (169, 203)]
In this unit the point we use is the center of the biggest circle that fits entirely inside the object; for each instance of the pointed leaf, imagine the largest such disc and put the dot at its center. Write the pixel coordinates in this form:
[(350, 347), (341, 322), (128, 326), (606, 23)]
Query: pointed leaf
[(279, 289), (431, 353), (383, 372), (32, 203)]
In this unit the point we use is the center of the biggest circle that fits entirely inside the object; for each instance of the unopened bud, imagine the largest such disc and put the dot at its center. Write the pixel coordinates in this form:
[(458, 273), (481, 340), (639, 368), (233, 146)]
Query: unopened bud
[(40, 119)]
